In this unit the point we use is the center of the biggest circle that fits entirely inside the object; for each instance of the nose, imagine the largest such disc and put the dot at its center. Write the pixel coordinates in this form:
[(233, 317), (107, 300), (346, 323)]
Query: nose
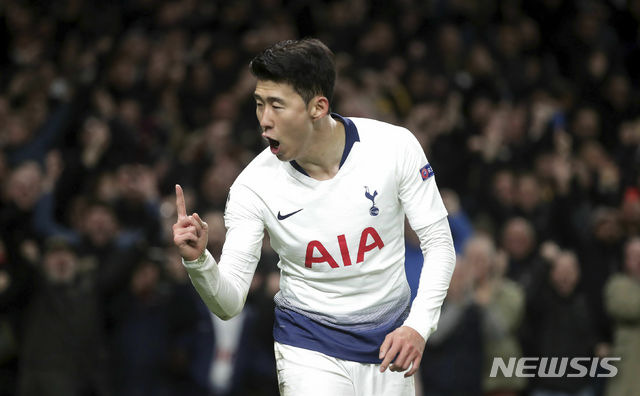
[(264, 118)]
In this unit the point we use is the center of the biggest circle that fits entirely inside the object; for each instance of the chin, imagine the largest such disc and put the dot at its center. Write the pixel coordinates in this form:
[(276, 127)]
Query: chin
[(282, 157)]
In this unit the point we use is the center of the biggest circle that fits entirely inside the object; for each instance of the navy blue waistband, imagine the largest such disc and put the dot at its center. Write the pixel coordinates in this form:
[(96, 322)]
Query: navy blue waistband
[(295, 329)]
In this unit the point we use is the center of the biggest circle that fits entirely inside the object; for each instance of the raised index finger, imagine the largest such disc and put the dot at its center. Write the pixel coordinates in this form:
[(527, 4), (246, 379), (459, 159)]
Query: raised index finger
[(180, 206)]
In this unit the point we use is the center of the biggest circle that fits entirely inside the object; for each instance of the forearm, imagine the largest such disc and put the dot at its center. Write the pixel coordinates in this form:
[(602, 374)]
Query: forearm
[(439, 260), (222, 286), (45, 223)]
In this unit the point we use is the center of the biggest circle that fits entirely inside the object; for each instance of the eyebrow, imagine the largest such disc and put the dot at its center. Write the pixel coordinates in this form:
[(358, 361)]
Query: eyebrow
[(269, 99)]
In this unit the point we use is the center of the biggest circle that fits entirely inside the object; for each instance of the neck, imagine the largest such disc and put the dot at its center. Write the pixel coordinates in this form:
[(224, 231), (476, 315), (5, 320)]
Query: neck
[(325, 154)]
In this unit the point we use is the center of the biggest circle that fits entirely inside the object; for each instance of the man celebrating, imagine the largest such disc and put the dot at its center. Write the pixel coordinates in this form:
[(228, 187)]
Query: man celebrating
[(332, 192)]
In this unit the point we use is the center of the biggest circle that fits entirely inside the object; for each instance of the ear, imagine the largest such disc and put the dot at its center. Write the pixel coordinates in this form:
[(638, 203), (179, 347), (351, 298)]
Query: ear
[(318, 107)]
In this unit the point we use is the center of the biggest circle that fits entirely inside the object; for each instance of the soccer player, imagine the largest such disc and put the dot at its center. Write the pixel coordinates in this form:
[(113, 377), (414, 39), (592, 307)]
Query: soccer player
[(332, 192)]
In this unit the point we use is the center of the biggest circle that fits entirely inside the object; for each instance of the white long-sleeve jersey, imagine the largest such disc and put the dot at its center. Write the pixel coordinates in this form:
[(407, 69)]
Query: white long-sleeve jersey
[(340, 242)]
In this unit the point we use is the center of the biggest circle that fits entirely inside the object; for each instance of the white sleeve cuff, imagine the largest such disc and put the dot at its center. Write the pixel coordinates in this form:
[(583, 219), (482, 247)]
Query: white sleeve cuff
[(199, 261)]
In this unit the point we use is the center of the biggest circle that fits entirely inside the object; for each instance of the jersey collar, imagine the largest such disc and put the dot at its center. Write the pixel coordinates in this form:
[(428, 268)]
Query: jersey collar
[(351, 136)]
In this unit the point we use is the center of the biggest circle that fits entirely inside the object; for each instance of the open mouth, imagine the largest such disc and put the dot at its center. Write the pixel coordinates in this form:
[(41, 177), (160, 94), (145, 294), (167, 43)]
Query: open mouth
[(274, 145)]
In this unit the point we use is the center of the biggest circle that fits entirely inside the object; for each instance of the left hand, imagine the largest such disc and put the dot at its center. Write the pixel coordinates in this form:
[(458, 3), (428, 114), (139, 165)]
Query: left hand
[(404, 347)]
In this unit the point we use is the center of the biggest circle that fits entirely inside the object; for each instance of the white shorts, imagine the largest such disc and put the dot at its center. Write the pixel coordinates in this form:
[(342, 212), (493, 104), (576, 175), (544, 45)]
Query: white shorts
[(302, 372)]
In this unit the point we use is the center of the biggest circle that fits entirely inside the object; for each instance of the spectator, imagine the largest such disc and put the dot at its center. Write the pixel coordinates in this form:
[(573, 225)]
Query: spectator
[(532, 206), (630, 211), (137, 204), (191, 331), (63, 350), (559, 324), (600, 258), (499, 200), (216, 181), (454, 357), (21, 194), (105, 251), (141, 338), (518, 240), (16, 280), (501, 302), (622, 301)]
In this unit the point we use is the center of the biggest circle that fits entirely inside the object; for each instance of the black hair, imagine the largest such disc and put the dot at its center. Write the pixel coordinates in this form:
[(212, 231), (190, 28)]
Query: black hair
[(307, 65)]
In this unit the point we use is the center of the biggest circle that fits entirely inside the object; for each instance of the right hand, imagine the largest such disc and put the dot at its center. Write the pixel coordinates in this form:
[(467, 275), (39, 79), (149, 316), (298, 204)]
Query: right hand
[(190, 233)]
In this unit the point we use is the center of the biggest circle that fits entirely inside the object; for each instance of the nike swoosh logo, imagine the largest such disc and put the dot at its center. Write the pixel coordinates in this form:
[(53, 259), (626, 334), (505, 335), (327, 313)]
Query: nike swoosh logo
[(282, 217)]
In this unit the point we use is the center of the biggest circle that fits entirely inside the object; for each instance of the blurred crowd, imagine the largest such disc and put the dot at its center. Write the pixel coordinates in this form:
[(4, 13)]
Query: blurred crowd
[(528, 110)]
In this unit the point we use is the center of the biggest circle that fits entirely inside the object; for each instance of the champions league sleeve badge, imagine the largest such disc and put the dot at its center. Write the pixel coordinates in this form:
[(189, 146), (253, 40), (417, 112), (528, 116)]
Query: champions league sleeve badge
[(373, 211), (426, 171)]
